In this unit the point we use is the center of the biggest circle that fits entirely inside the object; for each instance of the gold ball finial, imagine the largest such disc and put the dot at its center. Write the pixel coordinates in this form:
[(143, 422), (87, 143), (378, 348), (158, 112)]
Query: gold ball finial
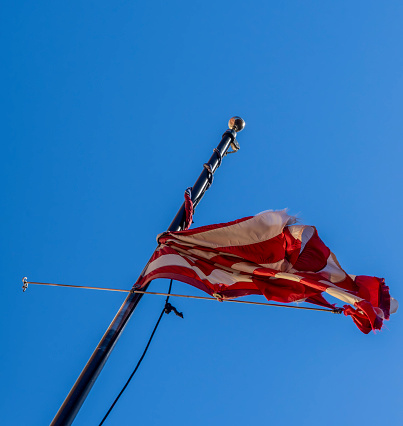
[(236, 123)]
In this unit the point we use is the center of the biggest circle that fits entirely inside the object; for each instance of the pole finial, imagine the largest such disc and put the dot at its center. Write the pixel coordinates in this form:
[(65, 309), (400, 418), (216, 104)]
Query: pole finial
[(236, 123)]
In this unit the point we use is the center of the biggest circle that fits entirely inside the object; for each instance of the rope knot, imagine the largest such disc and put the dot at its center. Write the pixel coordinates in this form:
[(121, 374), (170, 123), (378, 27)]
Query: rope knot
[(169, 308)]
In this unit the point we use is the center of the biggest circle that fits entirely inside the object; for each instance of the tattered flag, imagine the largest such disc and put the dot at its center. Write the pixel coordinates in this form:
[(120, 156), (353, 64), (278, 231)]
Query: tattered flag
[(268, 254)]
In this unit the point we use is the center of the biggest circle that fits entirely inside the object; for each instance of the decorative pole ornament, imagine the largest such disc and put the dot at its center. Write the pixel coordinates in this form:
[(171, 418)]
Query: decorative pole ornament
[(76, 397), (236, 123)]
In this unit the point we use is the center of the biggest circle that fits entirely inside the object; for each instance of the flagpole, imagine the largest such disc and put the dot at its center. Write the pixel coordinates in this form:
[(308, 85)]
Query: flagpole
[(76, 397)]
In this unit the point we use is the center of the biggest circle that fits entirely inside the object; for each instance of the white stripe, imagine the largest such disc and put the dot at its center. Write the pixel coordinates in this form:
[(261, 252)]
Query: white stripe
[(332, 272), (244, 267), (394, 305), (306, 236), (217, 276), (261, 227), (281, 265), (342, 295), (166, 260), (290, 220), (199, 253), (296, 231), (287, 276)]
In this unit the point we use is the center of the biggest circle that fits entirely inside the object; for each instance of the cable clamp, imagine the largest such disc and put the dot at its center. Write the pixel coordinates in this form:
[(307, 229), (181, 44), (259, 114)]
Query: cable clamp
[(235, 145), (218, 296), (25, 284), (169, 308)]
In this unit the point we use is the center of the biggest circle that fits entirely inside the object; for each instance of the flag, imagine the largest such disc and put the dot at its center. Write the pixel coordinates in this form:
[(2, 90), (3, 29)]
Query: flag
[(268, 254)]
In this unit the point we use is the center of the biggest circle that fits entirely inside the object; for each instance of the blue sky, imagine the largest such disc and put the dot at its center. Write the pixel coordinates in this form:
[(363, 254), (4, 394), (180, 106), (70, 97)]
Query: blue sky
[(109, 110)]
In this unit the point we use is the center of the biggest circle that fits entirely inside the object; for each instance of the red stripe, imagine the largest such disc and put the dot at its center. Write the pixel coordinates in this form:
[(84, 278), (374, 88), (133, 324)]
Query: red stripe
[(293, 246), (285, 291), (225, 260), (364, 317), (206, 228), (269, 251), (318, 299), (375, 291), (314, 255)]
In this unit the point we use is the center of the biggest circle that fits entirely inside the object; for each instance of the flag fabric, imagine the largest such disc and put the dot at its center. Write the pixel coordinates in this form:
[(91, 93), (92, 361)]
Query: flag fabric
[(272, 255)]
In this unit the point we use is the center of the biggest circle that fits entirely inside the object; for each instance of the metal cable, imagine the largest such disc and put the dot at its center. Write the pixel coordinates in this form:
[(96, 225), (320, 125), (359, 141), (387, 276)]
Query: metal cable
[(246, 302)]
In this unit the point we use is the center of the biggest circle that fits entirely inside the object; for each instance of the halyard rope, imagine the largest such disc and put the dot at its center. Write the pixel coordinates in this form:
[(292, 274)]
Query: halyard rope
[(167, 309)]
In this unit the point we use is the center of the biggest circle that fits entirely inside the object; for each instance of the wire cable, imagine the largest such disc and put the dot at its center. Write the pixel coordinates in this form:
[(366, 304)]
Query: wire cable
[(245, 302)]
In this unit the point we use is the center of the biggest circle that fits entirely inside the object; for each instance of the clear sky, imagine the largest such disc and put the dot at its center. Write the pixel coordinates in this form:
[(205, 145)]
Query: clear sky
[(109, 110)]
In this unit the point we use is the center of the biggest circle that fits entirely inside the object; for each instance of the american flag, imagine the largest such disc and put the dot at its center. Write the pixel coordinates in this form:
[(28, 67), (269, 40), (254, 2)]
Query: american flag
[(268, 254)]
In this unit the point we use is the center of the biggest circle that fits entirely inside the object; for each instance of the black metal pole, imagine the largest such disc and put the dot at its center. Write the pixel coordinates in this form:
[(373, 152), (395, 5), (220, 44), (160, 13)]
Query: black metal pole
[(75, 398)]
